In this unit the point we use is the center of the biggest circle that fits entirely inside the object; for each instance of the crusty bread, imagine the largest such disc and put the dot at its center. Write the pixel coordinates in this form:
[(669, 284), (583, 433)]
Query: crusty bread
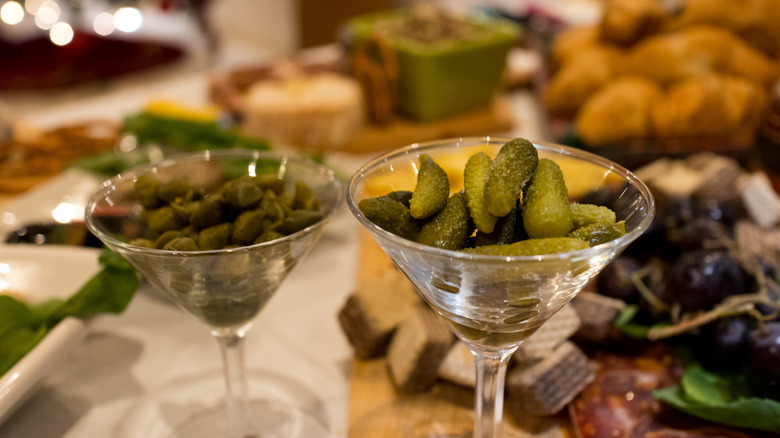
[(313, 112)]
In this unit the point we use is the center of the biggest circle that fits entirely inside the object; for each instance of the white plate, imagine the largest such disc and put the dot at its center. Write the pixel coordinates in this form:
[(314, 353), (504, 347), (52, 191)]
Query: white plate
[(35, 274)]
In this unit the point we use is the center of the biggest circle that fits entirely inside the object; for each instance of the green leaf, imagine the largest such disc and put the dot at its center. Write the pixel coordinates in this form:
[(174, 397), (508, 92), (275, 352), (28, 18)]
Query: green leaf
[(14, 313), (18, 342), (109, 291), (719, 404), (22, 326), (624, 323), (712, 389), (628, 314)]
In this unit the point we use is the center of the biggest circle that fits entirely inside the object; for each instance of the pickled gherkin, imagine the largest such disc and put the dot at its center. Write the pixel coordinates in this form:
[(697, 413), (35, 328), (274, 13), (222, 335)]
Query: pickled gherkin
[(247, 226), (391, 215), (508, 229), (546, 211), (587, 214), (181, 244), (176, 188), (244, 194), (298, 220), (432, 189), (215, 237), (475, 177), (402, 196), (512, 168), (145, 188), (596, 234), (550, 245), (513, 205), (449, 228), (242, 211)]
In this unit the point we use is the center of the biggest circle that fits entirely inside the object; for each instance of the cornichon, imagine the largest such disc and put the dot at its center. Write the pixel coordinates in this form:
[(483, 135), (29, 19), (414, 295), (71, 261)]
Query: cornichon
[(390, 215), (512, 168), (550, 245), (546, 211), (475, 176), (587, 214), (449, 228), (432, 189), (242, 211), (515, 204), (596, 234)]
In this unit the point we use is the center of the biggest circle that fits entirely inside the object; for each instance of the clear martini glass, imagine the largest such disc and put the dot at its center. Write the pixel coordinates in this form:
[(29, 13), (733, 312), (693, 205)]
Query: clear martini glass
[(225, 289), (494, 303)]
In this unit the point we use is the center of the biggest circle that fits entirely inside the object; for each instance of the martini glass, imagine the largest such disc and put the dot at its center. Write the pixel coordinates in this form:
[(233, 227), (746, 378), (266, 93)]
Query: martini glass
[(225, 289), (494, 303)]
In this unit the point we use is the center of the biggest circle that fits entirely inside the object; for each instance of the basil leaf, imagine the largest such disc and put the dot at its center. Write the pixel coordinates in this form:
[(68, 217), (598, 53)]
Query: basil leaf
[(18, 342), (727, 405), (711, 389)]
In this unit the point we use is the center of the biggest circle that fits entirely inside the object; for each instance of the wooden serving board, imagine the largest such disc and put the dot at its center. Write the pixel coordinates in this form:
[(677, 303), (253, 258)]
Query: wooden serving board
[(377, 410), (493, 119)]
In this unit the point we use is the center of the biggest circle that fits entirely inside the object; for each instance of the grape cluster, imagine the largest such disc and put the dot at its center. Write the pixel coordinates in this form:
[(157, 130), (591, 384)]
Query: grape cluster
[(687, 265)]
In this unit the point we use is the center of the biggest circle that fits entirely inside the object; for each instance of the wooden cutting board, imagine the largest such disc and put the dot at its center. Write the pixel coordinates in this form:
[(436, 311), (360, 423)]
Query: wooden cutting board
[(493, 119), (377, 410)]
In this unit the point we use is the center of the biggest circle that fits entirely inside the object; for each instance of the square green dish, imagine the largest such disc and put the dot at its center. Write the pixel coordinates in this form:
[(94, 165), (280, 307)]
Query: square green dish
[(441, 78)]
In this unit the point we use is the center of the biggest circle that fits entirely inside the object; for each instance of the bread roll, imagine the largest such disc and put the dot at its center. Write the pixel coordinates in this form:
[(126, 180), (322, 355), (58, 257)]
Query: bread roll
[(618, 112), (627, 21), (699, 51), (756, 21), (714, 105), (582, 76)]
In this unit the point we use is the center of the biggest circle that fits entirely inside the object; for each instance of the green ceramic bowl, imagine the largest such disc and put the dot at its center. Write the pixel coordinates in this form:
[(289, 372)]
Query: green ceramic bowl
[(444, 78)]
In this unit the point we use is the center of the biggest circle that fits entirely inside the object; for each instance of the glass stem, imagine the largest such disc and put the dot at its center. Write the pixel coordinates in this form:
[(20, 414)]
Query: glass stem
[(231, 346), (489, 394)]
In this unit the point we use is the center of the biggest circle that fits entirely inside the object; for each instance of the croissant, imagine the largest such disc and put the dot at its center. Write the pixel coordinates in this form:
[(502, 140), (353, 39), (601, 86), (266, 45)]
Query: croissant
[(618, 112), (698, 51), (714, 105), (579, 78)]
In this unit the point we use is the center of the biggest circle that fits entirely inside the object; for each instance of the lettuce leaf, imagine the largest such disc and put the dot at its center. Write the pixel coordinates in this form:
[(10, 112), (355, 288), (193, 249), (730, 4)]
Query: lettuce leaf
[(22, 326)]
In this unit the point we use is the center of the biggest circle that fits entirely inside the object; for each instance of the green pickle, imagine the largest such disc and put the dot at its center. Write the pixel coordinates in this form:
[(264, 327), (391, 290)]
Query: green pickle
[(587, 214), (510, 171), (181, 244), (146, 191), (513, 205), (475, 177), (508, 229), (402, 196), (530, 247), (243, 211), (247, 226), (449, 228), (596, 234), (546, 211), (432, 189), (390, 215)]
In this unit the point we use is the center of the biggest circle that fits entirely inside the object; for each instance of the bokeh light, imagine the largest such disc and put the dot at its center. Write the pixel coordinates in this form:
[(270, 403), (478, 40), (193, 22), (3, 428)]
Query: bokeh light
[(32, 6), (103, 23), (61, 34), (128, 19), (47, 15), (12, 13)]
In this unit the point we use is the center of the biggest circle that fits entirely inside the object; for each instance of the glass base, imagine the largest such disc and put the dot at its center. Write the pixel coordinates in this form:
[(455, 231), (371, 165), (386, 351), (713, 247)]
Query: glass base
[(195, 408)]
